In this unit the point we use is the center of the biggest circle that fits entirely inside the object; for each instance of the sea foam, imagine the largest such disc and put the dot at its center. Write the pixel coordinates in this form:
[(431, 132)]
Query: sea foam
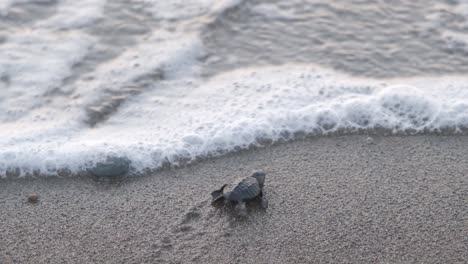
[(184, 119), (151, 103)]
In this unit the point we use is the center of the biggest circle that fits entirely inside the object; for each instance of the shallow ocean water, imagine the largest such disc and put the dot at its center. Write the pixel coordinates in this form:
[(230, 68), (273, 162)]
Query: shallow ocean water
[(164, 82)]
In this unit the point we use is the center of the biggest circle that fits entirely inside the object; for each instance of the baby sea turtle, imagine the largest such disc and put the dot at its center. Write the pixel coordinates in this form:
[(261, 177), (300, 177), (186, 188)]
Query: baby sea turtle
[(246, 190)]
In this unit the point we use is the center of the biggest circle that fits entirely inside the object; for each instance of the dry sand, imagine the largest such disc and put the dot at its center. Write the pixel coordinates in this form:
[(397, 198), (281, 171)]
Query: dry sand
[(331, 200)]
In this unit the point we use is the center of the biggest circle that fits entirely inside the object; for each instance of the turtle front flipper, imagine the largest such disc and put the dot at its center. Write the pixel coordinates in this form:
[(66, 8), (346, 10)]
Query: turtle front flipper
[(218, 196), (241, 209), (264, 202)]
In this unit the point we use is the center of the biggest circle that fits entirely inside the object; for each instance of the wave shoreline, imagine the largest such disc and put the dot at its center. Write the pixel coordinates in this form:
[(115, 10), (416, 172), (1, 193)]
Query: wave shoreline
[(121, 166), (87, 82)]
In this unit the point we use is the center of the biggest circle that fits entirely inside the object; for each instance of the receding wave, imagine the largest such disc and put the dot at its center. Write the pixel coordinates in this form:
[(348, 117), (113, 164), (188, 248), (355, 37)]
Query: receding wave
[(78, 97), (187, 119)]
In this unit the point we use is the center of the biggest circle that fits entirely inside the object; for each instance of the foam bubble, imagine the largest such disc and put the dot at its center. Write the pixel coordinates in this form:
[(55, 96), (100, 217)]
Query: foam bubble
[(7, 5), (187, 9), (149, 104), (75, 14), (4, 6), (186, 118), (33, 64), (456, 42), (273, 11)]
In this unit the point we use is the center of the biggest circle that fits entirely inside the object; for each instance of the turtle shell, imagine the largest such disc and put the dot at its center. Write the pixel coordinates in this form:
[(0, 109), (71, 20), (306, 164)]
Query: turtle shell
[(247, 189)]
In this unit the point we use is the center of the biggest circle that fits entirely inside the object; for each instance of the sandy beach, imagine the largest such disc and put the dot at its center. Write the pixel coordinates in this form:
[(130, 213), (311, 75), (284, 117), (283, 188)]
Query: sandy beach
[(331, 200), (102, 99)]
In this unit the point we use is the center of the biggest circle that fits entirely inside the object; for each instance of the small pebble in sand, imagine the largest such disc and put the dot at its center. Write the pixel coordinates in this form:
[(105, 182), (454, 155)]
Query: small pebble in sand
[(33, 198), (370, 140)]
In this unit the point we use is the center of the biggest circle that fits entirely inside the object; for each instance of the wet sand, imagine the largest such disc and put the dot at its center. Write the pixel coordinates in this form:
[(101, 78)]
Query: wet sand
[(331, 200)]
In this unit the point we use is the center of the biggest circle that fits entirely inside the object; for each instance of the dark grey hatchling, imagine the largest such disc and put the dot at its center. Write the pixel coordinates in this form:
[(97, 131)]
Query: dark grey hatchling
[(238, 194)]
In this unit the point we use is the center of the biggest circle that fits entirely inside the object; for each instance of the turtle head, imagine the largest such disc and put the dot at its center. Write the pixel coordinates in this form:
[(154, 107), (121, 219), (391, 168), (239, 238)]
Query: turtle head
[(218, 196), (260, 176)]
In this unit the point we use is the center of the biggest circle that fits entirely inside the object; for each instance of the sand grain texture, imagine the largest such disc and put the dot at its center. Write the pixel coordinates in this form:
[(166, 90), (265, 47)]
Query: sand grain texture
[(331, 200)]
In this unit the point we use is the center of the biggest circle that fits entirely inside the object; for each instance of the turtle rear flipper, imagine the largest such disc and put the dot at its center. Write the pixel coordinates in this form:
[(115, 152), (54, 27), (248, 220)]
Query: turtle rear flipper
[(218, 195)]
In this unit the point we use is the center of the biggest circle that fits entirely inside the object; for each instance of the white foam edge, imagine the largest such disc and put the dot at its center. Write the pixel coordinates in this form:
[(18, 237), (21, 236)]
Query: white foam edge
[(194, 118)]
